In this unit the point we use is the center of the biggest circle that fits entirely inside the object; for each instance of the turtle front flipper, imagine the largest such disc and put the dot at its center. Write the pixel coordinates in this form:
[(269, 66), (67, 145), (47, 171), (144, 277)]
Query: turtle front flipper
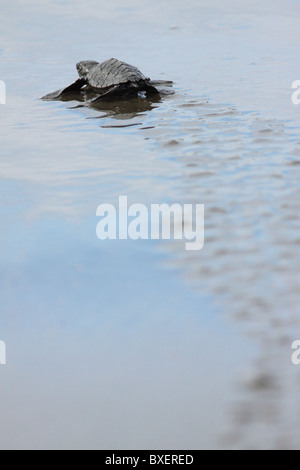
[(74, 87), (115, 92)]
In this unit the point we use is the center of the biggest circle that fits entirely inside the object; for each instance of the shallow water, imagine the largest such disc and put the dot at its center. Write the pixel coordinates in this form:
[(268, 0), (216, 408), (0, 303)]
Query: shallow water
[(142, 344)]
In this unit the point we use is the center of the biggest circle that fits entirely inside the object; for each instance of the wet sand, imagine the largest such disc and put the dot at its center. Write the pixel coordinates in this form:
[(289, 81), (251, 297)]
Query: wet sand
[(142, 344)]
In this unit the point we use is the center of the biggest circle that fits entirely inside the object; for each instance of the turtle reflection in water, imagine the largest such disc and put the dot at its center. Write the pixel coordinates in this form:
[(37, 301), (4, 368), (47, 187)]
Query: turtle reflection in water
[(108, 81), (118, 108)]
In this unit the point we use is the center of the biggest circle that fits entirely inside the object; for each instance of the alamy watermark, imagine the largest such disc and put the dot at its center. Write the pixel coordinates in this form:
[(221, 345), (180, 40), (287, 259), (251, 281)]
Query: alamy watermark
[(2, 353), (160, 221), (296, 94), (296, 353), (2, 92)]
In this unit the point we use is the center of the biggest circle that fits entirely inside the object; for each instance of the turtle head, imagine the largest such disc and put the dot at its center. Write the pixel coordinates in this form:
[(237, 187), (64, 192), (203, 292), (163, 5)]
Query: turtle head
[(84, 67)]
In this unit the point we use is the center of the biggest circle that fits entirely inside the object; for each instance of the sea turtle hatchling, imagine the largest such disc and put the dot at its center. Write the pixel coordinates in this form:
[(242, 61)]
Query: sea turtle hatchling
[(109, 80)]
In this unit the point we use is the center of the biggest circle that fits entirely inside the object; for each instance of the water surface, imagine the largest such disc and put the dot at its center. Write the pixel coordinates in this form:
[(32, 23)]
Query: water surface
[(141, 344)]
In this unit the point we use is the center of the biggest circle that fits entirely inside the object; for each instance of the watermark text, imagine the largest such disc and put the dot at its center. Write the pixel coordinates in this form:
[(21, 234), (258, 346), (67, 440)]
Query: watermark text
[(296, 94), (2, 353), (296, 353), (160, 221), (2, 92)]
